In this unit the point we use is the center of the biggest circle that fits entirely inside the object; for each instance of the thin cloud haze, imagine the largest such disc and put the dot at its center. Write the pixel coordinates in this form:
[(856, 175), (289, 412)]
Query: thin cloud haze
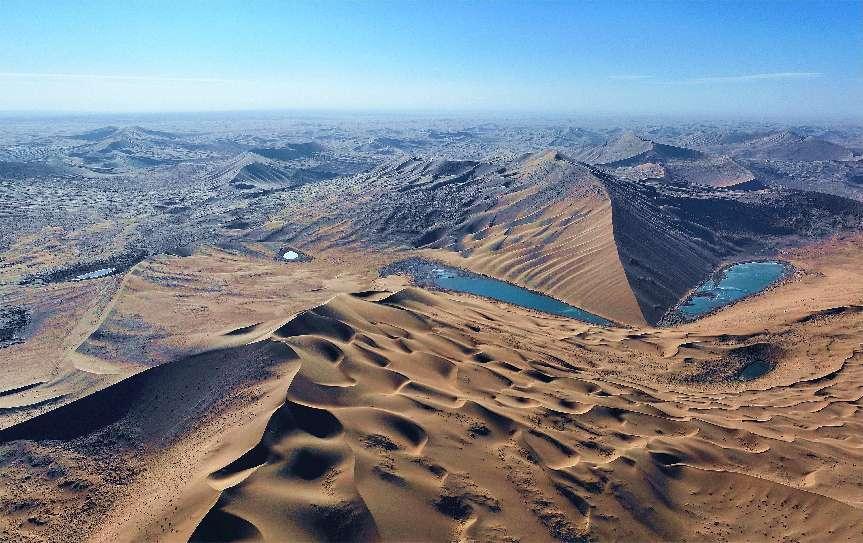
[(775, 76), (113, 77), (781, 79), (745, 78), (630, 77)]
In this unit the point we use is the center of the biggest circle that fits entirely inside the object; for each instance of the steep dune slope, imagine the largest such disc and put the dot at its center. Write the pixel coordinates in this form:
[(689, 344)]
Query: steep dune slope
[(662, 255), (711, 171), (656, 153), (631, 156), (621, 249), (624, 147), (788, 145), (266, 171), (542, 222), (553, 233)]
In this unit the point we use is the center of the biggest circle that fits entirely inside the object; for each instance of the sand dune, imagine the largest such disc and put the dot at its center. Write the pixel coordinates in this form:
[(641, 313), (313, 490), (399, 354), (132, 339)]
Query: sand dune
[(634, 157), (485, 421), (87, 335), (787, 145), (624, 250)]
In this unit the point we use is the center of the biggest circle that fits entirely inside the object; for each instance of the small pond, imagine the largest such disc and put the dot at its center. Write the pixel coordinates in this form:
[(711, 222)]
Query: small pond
[(754, 370), (95, 274)]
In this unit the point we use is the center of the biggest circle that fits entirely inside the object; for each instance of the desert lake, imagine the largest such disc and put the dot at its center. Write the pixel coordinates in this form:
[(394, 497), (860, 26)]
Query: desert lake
[(731, 285)]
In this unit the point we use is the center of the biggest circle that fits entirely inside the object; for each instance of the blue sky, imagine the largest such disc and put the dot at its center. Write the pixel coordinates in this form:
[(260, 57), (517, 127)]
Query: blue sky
[(795, 59)]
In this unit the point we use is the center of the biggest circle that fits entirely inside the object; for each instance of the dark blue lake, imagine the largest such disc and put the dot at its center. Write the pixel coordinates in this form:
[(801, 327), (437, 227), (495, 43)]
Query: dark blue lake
[(462, 281), (735, 283)]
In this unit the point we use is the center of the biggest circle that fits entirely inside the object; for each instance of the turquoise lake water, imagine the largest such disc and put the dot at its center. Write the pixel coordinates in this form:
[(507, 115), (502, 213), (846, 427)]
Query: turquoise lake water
[(735, 283), (452, 279)]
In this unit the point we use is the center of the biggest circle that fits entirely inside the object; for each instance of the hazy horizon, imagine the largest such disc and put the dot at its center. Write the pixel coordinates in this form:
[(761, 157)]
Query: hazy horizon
[(788, 60), (596, 118)]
